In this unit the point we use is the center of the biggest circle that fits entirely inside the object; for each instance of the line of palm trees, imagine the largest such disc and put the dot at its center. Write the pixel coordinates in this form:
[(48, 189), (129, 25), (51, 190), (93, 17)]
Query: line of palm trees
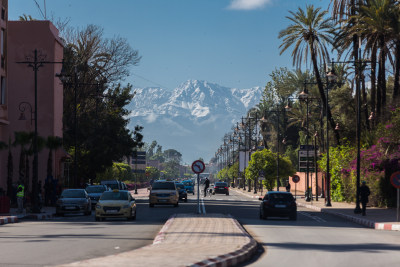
[(373, 24), (24, 140)]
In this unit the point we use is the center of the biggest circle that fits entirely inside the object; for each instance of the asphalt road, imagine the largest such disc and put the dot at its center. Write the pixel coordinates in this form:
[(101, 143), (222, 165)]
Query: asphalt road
[(315, 239)]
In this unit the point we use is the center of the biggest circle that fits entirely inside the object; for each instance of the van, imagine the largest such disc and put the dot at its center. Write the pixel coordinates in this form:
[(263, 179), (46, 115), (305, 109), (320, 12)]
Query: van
[(113, 184)]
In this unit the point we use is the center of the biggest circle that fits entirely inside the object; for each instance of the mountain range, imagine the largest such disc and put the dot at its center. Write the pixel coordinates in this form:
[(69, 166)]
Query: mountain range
[(192, 118)]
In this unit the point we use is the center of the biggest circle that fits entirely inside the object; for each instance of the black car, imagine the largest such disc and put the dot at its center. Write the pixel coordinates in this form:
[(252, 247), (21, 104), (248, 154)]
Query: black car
[(95, 191), (278, 204), (182, 191), (73, 201), (221, 188)]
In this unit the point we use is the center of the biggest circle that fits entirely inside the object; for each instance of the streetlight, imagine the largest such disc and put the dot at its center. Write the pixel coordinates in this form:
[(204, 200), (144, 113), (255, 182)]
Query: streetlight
[(67, 79), (37, 62), (332, 78), (304, 97)]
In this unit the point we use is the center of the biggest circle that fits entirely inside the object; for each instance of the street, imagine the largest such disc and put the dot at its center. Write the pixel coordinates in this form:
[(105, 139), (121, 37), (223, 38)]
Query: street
[(315, 239)]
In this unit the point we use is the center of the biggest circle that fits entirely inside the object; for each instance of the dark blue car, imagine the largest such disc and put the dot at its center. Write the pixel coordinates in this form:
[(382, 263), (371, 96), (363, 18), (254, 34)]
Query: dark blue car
[(189, 186), (182, 191)]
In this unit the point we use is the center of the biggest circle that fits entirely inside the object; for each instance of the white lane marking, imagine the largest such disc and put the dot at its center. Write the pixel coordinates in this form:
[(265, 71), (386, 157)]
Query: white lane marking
[(315, 218), (203, 206)]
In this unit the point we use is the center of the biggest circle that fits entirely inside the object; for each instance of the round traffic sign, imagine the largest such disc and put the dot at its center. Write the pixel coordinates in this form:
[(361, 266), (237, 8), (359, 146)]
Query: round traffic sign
[(395, 179), (198, 166), (296, 179)]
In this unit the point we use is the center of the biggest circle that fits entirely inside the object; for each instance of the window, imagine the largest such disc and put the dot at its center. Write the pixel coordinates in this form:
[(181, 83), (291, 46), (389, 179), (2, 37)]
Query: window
[(3, 41), (3, 91), (3, 13)]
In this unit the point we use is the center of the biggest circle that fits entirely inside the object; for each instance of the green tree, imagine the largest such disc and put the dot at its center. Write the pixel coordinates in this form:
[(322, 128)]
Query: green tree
[(154, 173), (266, 161), (53, 143), (310, 33)]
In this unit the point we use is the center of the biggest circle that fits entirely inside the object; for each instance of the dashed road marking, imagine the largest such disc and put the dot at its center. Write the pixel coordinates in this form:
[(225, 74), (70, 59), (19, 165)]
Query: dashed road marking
[(308, 215)]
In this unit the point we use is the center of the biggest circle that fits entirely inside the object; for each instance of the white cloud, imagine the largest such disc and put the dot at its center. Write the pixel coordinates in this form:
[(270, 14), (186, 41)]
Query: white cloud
[(248, 4), (151, 118)]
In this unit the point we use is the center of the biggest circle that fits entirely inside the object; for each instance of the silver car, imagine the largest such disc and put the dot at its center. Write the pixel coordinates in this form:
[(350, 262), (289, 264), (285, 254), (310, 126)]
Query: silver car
[(73, 201)]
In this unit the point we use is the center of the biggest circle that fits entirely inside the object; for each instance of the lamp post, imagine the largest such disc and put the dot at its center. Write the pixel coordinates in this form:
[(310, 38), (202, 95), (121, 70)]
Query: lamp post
[(37, 62), (304, 97)]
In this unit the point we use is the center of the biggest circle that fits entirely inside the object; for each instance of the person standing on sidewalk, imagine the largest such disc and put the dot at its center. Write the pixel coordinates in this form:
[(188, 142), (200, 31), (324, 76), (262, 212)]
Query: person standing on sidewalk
[(288, 187), (20, 197), (364, 193)]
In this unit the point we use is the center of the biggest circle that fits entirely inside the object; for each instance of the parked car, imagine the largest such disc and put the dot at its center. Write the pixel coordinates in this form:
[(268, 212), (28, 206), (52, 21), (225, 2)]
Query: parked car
[(116, 204), (221, 188), (113, 184), (182, 191), (163, 193), (95, 191), (189, 186), (278, 204), (73, 201)]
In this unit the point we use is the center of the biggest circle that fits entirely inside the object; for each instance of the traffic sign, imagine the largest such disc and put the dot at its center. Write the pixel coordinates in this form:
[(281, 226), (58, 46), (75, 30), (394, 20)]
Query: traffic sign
[(198, 166), (296, 179), (395, 179)]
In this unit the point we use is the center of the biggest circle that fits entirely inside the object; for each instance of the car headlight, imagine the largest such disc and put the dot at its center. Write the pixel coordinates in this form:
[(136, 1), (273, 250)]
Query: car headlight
[(98, 207), (127, 206)]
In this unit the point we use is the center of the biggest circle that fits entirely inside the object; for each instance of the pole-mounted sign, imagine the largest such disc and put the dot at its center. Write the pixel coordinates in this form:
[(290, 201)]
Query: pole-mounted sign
[(198, 167)]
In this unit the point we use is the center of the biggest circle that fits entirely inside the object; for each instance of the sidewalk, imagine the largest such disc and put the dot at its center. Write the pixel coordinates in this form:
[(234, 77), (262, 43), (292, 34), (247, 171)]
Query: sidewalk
[(188, 240), (376, 218)]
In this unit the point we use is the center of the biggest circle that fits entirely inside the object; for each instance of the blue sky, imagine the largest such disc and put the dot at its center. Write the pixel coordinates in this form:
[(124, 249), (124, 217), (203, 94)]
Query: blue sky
[(230, 42)]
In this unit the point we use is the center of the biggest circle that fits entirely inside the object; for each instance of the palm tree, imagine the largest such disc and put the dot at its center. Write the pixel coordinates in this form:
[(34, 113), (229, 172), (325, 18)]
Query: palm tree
[(23, 139), (310, 34), (53, 143)]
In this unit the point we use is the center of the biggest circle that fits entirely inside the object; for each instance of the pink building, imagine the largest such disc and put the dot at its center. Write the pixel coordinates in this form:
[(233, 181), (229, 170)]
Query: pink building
[(4, 121), (24, 37)]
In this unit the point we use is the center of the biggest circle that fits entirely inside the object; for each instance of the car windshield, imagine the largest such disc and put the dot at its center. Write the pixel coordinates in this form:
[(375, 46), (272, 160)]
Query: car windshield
[(180, 185), (188, 183), (113, 186), (164, 185), (221, 184), (73, 194), (114, 196), (286, 197), (95, 189)]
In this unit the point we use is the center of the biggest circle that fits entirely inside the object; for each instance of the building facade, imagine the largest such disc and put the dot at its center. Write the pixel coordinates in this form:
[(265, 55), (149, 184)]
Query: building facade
[(23, 39)]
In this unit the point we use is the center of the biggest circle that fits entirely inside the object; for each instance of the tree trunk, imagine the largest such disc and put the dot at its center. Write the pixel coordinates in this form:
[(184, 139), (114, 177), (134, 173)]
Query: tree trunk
[(373, 80), (396, 72), (322, 94), (382, 76)]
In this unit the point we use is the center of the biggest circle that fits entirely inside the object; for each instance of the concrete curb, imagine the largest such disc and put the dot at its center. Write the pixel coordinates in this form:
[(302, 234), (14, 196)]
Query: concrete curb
[(235, 257), (39, 216), (8, 219), (361, 221), (161, 235)]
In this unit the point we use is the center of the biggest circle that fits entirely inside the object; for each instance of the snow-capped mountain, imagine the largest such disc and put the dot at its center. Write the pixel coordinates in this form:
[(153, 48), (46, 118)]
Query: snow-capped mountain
[(193, 117)]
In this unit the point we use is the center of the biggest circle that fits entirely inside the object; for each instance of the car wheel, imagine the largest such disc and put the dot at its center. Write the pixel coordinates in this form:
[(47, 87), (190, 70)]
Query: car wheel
[(88, 212), (134, 216), (186, 199), (193, 193), (293, 216), (177, 204), (151, 205), (227, 194), (97, 219), (262, 215)]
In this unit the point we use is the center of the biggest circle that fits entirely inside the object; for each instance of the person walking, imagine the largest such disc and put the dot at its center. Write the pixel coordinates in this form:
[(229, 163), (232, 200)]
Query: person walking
[(206, 185), (364, 193), (288, 187), (20, 197)]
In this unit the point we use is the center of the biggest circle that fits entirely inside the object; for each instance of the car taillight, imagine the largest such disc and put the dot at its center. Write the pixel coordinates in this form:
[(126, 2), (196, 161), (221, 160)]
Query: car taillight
[(267, 203), (215, 187), (226, 188)]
